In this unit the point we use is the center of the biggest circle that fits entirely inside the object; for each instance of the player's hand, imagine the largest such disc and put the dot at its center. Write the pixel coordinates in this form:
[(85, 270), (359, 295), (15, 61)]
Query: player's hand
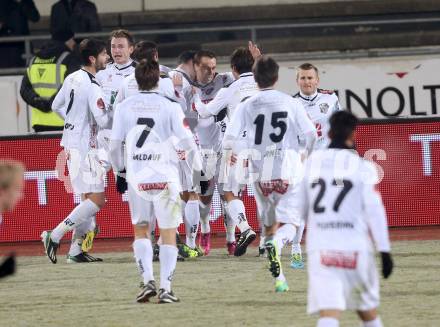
[(177, 81), (387, 264), (121, 182), (255, 51), (8, 266)]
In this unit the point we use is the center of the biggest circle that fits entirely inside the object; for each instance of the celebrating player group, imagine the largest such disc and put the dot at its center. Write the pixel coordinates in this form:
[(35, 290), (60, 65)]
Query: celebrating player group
[(173, 136)]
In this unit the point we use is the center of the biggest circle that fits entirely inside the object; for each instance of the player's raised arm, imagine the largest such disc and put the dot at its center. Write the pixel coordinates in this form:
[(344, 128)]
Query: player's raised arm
[(214, 107)]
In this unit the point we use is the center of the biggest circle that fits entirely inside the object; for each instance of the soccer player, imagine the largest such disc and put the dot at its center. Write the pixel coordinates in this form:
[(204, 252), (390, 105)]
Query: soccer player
[(152, 127), (80, 102), (121, 47), (11, 191), (146, 50), (320, 105), (273, 121), (344, 213), (186, 74), (208, 83), (225, 103), (110, 78)]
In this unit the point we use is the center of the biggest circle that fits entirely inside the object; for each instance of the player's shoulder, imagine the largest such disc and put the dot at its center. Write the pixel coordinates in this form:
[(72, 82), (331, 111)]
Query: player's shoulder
[(88, 77)]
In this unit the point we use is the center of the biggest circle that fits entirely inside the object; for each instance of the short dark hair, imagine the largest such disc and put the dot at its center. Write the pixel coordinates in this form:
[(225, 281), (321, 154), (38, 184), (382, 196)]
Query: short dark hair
[(242, 60), (145, 50), (90, 48), (119, 34), (203, 53), (265, 71), (307, 66), (342, 124), (147, 74), (186, 56)]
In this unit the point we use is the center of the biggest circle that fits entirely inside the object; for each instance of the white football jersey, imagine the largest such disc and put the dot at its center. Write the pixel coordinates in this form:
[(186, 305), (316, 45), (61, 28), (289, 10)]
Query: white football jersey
[(340, 203), (80, 102), (273, 122), (210, 136), (111, 79), (151, 126), (320, 106)]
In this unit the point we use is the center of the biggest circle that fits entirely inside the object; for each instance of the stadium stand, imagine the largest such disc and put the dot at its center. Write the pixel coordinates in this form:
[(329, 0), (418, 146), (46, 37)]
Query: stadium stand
[(343, 25)]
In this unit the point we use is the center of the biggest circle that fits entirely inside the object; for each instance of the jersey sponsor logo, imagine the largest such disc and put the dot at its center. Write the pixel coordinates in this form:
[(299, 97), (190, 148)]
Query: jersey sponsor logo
[(152, 186), (339, 259), (324, 107), (147, 157), (100, 104), (278, 186)]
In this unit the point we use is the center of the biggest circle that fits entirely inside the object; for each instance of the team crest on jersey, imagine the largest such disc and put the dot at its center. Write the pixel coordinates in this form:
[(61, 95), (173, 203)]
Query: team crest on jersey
[(109, 78), (324, 107), (209, 91), (100, 104)]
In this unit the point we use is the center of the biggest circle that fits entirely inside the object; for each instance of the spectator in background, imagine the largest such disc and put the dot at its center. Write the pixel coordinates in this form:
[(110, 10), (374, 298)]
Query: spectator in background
[(14, 16), (44, 77), (11, 191), (79, 15)]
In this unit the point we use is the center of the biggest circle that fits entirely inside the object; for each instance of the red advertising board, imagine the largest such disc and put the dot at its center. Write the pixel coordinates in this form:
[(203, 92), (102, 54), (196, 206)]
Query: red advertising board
[(408, 152)]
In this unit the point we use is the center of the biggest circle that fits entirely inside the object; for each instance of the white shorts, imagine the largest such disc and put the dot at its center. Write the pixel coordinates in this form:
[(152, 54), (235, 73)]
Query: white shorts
[(211, 161), (185, 176), (277, 202), (236, 177), (163, 205), (342, 280), (86, 171)]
